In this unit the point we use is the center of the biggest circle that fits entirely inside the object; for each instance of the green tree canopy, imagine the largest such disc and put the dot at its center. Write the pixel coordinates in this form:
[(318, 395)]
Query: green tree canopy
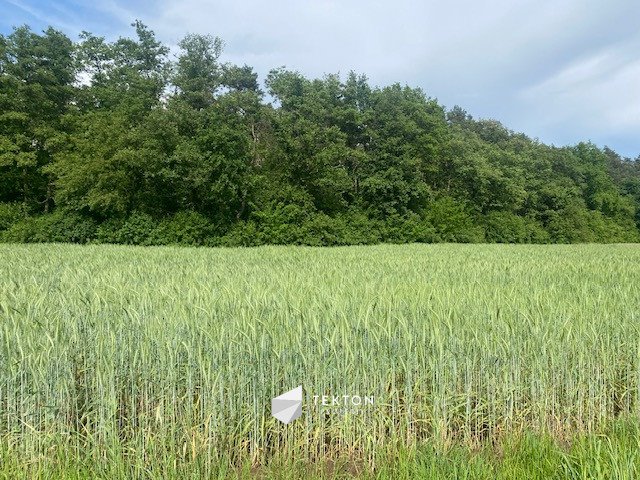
[(121, 141)]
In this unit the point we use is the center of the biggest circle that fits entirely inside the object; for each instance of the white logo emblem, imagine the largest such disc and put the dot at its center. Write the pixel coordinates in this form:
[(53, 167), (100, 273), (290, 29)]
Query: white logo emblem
[(288, 406)]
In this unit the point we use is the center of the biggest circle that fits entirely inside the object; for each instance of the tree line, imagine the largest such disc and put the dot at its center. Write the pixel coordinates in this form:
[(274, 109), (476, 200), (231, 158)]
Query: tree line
[(123, 142)]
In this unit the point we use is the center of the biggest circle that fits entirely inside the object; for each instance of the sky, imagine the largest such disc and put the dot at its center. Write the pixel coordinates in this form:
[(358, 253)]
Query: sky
[(562, 71)]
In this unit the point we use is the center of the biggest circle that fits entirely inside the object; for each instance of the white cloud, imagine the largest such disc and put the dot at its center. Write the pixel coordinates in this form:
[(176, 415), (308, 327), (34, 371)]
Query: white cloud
[(48, 18), (597, 96)]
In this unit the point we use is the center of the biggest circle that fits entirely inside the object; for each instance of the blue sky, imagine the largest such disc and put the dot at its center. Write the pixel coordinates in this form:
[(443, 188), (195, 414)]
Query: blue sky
[(559, 70)]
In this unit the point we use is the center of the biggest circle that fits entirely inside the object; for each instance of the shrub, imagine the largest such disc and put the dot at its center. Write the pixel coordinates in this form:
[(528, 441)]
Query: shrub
[(107, 231), (359, 229), (452, 222), (506, 227), (281, 223), (20, 232), (183, 228), (10, 214), (321, 230), (242, 234), (304, 228), (409, 229), (576, 224), (59, 226), (137, 229)]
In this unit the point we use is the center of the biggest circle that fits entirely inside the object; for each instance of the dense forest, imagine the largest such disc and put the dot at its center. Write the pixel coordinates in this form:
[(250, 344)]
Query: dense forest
[(125, 142)]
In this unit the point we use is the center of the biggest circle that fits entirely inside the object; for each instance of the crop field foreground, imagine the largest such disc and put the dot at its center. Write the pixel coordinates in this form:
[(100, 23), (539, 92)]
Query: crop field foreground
[(160, 362)]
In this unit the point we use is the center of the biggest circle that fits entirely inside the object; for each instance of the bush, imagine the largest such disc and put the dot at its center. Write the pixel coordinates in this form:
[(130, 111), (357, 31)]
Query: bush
[(359, 229), (23, 231), (452, 222), (242, 234), (183, 228), (409, 229), (321, 230), (10, 214), (303, 228), (576, 224), (59, 226), (107, 232), (506, 227), (137, 229), (281, 224)]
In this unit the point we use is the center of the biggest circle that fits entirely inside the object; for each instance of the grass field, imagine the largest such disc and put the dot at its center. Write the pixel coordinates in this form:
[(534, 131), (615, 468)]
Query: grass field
[(485, 361)]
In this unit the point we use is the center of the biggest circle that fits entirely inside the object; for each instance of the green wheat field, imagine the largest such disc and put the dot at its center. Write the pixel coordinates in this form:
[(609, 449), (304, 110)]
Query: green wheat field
[(485, 361)]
